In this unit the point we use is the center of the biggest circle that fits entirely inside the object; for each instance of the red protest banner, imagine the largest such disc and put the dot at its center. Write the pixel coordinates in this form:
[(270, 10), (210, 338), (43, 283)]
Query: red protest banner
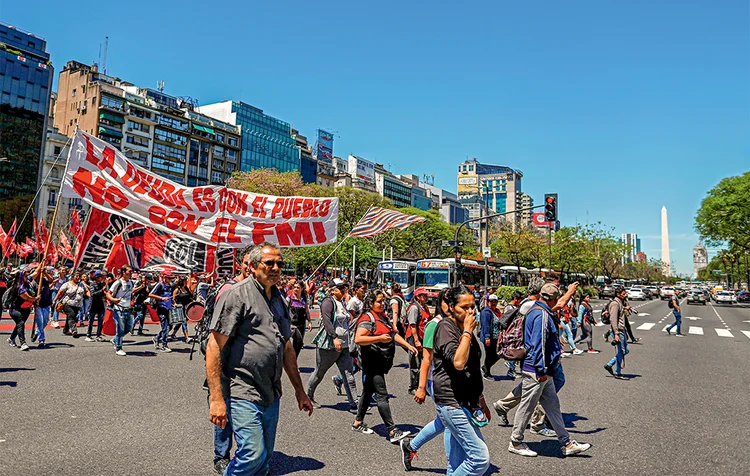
[(104, 178)]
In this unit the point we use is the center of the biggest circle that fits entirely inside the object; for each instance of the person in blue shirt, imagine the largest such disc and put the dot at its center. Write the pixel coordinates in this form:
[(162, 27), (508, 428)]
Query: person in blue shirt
[(542, 344), (490, 329)]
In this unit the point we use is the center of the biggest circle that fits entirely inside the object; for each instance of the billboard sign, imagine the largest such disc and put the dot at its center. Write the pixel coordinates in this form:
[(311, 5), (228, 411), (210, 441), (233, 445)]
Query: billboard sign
[(325, 146), (541, 221), (362, 169), (700, 258), (467, 181)]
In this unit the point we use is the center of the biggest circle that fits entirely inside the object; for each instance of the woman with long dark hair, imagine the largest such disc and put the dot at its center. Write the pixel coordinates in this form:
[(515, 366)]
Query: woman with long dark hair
[(181, 296), (458, 385), (587, 322), (71, 295), (22, 301), (377, 339)]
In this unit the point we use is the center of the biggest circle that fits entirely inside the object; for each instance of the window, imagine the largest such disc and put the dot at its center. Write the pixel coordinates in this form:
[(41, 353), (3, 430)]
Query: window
[(220, 137), (217, 178), (137, 126), (52, 198), (136, 140), (112, 103), (168, 136), (231, 155), (57, 150), (140, 113), (218, 151), (162, 150), (73, 94), (137, 156), (54, 173), (172, 122), (169, 166), (232, 141)]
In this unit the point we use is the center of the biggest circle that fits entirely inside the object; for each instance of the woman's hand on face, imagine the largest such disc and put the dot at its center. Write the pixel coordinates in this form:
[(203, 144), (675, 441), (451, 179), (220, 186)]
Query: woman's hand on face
[(470, 323)]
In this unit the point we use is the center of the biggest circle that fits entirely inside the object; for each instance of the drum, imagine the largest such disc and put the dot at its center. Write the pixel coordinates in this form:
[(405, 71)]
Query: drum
[(176, 315), (194, 311)]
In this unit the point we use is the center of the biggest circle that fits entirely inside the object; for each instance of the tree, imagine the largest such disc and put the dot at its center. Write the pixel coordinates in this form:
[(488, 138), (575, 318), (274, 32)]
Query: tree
[(520, 247), (607, 250), (273, 182), (724, 215)]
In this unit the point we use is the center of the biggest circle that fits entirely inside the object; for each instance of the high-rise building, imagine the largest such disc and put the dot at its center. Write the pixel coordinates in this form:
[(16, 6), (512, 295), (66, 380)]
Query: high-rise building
[(633, 243), (666, 262), (527, 216), (392, 187), (154, 130), (25, 89), (267, 142), (497, 187), (56, 152), (451, 209), (308, 165), (420, 197)]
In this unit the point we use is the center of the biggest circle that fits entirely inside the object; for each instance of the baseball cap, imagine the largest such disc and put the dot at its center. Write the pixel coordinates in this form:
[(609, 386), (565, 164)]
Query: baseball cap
[(550, 291), (99, 274), (419, 292), (493, 297), (337, 283)]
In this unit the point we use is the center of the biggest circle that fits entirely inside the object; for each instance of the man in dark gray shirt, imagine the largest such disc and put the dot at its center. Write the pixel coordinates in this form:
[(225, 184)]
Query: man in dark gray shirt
[(249, 344)]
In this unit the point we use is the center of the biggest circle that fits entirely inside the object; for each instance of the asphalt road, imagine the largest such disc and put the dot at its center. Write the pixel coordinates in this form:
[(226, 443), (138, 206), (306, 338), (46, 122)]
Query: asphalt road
[(78, 409)]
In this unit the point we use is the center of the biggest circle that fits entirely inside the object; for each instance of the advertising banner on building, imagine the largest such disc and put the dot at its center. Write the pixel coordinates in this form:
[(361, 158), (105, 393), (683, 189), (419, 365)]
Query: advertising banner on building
[(325, 146), (541, 221), (700, 258), (362, 169), (105, 179)]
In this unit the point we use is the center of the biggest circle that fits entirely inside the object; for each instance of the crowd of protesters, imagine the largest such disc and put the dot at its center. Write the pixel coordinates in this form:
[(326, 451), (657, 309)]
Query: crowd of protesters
[(256, 323)]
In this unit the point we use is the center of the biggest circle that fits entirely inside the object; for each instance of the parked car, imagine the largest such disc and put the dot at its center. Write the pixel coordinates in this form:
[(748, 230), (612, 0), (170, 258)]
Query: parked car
[(636, 294), (696, 297), (607, 292), (724, 297), (654, 290), (743, 296), (666, 293)]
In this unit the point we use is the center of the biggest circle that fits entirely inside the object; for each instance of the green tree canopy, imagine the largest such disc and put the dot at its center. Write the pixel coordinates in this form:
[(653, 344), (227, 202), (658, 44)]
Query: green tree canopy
[(724, 215)]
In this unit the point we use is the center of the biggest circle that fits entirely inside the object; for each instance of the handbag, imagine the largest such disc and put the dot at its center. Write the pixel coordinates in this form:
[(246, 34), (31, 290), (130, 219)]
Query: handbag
[(322, 340), (176, 315)]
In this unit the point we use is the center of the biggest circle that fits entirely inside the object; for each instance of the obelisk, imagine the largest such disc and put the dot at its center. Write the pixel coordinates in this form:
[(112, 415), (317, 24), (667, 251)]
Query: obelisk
[(665, 261)]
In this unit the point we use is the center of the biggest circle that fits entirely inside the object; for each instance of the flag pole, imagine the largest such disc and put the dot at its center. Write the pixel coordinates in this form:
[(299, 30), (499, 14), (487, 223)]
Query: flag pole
[(327, 257)]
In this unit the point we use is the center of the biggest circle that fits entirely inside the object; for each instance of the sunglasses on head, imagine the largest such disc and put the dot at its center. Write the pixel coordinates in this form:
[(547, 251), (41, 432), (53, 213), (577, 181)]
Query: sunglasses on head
[(270, 263)]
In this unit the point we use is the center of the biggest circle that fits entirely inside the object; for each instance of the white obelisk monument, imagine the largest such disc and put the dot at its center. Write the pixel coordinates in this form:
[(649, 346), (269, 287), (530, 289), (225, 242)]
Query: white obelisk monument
[(665, 260)]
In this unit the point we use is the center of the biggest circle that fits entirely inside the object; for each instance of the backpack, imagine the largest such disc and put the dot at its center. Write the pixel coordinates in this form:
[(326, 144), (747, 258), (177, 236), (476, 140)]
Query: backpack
[(202, 329), (671, 303), (510, 344), (605, 313), (11, 293), (399, 323), (509, 317)]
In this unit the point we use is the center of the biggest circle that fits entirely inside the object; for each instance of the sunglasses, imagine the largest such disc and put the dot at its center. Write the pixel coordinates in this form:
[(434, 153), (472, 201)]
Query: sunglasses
[(269, 263)]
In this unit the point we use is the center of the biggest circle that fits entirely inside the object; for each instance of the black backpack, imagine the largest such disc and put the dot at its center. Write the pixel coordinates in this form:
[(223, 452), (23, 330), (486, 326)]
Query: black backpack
[(605, 313), (11, 293), (202, 329), (671, 302), (509, 317)]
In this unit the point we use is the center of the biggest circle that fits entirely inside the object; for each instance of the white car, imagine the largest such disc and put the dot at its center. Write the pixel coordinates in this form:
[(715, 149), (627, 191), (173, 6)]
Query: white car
[(724, 297), (666, 293), (636, 294)]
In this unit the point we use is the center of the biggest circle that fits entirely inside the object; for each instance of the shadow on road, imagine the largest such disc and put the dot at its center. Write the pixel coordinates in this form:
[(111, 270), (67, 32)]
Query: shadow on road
[(306, 370), (54, 345), (14, 369), (8, 384), (551, 449), (142, 353), (282, 463), (570, 419)]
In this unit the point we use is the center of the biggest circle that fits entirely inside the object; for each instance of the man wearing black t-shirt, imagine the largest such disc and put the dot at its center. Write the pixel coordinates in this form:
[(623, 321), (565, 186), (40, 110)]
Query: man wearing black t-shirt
[(97, 306)]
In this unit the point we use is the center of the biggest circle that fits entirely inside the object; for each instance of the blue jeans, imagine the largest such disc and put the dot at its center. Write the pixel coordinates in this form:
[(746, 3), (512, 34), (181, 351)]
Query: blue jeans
[(254, 428), (677, 322), (427, 433), (163, 314), (123, 323), (622, 351), (42, 318), (140, 311), (222, 438), (464, 446), (568, 334)]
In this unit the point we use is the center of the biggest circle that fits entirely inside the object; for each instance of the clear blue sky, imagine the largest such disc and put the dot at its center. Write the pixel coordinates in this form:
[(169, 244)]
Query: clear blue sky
[(619, 107)]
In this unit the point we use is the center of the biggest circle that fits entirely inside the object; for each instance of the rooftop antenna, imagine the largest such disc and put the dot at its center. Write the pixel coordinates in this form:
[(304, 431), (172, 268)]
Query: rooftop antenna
[(104, 57), (160, 86)]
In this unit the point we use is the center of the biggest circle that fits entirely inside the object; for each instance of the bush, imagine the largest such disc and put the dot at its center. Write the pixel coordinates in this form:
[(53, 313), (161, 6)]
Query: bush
[(505, 293)]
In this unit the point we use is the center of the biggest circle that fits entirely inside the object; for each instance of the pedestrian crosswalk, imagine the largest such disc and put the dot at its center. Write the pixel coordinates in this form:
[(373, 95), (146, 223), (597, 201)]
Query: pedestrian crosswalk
[(695, 330)]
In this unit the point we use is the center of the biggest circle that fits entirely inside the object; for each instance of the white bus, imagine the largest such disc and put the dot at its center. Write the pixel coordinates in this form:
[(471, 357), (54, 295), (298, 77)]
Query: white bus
[(398, 271)]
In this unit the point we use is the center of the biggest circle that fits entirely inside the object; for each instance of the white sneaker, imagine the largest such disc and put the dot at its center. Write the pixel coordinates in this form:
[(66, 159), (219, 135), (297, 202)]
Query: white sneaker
[(121, 352), (577, 352), (573, 448), (521, 449), (24, 346), (89, 339)]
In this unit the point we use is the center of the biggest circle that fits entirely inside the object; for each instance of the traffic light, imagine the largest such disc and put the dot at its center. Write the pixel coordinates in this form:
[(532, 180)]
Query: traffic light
[(550, 207)]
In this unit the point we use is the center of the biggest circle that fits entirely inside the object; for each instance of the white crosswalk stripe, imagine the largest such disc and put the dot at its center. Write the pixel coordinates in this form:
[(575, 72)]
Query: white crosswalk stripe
[(695, 330), (747, 334), (646, 326), (723, 333)]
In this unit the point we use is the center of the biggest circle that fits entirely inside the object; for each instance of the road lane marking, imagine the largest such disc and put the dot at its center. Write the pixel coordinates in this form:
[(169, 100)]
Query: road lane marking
[(723, 333), (646, 326), (693, 318), (747, 334), (695, 330)]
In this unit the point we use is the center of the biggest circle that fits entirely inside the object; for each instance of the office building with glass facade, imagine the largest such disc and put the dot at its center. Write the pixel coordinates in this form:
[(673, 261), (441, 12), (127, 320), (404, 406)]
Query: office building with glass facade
[(267, 142), (491, 189), (25, 89)]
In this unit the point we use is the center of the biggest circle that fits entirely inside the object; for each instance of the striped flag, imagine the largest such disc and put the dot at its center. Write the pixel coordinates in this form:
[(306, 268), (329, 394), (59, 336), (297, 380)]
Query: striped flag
[(378, 220), (10, 237)]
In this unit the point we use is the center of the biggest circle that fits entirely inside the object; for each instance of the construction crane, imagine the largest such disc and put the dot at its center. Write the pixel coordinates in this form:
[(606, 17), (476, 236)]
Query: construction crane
[(104, 58)]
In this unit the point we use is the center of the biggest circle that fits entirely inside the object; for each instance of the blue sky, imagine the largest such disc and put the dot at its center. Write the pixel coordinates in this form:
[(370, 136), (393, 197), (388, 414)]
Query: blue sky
[(619, 107)]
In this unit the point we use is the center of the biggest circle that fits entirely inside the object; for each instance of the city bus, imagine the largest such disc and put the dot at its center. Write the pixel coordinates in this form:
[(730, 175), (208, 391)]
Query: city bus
[(439, 273), (398, 271)]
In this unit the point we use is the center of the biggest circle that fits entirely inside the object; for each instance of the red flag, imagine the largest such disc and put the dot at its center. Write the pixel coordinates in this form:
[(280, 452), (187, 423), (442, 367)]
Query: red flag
[(63, 247), (24, 249), (2, 235), (75, 226), (52, 255), (43, 235), (9, 239)]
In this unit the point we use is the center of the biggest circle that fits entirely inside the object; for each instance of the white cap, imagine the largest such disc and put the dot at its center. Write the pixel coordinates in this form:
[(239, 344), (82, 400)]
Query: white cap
[(493, 297)]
